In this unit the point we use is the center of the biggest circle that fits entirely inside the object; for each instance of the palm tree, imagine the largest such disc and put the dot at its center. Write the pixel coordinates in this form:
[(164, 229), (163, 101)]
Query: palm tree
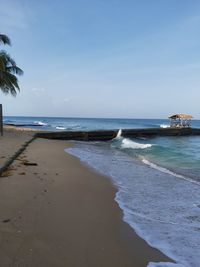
[(8, 70)]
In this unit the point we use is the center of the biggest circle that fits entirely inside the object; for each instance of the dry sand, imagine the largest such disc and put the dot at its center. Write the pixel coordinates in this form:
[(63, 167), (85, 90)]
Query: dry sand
[(60, 213)]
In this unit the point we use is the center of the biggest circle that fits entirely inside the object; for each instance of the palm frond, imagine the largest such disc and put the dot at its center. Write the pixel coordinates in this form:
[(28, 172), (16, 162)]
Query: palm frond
[(4, 39), (8, 72), (9, 83), (15, 70), (7, 58)]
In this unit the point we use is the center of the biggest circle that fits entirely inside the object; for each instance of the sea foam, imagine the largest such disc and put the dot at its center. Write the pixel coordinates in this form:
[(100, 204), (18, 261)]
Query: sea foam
[(60, 128), (164, 126), (164, 209), (41, 123), (121, 142), (165, 170), (128, 143)]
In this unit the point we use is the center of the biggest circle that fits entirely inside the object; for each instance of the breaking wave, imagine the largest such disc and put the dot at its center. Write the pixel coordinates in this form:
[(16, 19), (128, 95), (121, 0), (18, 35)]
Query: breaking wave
[(162, 169), (41, 123), (60, 128), (164, 126), (128, 143)]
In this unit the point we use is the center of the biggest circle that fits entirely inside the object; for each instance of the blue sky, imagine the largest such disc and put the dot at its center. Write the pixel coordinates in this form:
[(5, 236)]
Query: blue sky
[(104, 58)]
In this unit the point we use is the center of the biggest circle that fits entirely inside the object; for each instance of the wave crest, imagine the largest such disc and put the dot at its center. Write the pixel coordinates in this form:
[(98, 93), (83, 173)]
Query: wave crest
[(40, 123), (127, 143), (60, 128), (164, 126), (162, 169)]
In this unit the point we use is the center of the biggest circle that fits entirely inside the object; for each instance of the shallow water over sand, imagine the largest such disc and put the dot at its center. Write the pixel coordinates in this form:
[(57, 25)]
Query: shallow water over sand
[(162, 206)]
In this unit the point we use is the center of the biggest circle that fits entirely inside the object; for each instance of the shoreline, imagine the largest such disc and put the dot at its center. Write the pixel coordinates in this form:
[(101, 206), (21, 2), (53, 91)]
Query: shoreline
[(66, 214)]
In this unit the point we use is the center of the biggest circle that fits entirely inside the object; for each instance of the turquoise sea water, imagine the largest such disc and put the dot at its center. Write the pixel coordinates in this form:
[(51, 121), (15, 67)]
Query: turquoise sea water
[(178, 154), (157, 180)]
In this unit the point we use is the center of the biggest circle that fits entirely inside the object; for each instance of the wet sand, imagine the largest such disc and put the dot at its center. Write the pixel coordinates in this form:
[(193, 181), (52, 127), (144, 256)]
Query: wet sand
[(59, 213)]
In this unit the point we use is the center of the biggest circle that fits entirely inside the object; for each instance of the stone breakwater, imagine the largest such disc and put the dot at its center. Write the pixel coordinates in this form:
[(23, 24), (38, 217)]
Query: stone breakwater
[(106, 135)]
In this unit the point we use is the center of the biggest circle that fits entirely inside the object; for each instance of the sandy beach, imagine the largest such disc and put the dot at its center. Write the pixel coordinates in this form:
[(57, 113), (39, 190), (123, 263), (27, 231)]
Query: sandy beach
[(56, 212), (12, 140)]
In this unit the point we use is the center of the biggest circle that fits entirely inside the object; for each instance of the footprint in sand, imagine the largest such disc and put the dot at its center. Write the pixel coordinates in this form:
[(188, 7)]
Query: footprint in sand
[(6, 220)]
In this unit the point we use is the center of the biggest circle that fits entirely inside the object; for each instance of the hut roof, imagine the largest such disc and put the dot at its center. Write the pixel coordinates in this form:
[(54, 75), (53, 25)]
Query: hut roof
[(181, 116)]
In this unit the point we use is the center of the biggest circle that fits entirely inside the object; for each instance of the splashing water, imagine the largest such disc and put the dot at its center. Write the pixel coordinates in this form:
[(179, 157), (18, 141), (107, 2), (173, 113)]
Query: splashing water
[(164, 126), (119, 134)]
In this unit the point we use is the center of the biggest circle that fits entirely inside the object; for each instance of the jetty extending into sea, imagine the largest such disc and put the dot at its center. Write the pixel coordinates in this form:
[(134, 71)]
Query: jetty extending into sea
[(106, 135)]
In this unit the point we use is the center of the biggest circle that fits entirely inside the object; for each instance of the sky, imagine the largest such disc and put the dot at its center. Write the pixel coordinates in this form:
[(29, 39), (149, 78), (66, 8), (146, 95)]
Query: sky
[(104, 58)]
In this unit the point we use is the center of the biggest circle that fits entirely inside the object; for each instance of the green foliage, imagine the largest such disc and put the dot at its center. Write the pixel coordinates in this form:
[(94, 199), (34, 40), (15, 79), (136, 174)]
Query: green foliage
[(8, 70)]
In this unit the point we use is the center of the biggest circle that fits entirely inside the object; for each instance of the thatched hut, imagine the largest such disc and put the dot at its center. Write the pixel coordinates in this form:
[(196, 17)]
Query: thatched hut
[(180, 120)]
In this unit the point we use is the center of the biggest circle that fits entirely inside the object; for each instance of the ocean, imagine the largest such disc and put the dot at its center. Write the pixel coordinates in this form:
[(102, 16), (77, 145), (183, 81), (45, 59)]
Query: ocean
[(157, 180), (76, 124)]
